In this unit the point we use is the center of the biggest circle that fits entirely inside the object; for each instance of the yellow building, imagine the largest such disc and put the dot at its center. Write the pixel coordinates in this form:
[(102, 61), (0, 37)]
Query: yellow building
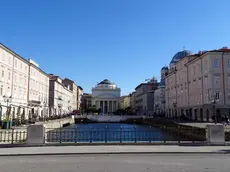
[(124, 102)]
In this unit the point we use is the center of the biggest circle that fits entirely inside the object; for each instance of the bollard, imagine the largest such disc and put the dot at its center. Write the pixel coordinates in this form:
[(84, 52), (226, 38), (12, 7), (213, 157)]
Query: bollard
[(215, 134), (35, 134)]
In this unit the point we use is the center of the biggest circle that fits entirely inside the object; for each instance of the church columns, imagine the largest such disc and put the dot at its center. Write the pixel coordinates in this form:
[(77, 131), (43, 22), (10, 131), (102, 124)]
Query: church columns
[(107, 106), (110, 106)]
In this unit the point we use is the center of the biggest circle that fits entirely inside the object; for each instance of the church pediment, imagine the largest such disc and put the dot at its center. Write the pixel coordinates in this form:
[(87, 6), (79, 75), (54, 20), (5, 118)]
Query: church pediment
[(106, 95)]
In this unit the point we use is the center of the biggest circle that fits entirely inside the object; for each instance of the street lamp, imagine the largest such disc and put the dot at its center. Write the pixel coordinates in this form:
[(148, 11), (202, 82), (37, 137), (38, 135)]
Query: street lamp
[(7, 100), (214, 101), (214, 107), (175, 106)]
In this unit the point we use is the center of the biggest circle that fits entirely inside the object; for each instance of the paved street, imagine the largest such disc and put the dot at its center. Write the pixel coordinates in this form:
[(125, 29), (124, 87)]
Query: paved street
[(114, 149), (117, 163)]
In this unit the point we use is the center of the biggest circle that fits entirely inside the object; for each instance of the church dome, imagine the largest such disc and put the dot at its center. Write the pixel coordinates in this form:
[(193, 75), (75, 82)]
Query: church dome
[(180, 55), (105, 81), (164, 68), (106, 84)]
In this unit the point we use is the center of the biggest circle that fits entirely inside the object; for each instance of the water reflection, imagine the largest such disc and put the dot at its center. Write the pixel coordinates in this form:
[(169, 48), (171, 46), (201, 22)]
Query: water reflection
[(107, 132)]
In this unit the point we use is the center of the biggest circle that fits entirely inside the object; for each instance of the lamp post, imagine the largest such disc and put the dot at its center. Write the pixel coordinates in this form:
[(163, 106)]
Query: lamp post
[(214, 101), (7, 100), (175, 106), (214, 108)]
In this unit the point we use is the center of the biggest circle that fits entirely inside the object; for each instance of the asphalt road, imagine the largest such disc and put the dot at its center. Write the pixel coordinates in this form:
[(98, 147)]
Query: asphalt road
[(118, 163)]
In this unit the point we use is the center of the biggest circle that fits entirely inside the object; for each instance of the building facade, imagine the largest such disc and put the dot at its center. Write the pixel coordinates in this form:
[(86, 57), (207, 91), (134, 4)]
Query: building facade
[(105, 96), (86, 101), (133, 102), (38, 92), (144, 97), (198, 86), (159, 94), (13, 84), (80, 93), (124, 102), (74, 89), (60, 96)]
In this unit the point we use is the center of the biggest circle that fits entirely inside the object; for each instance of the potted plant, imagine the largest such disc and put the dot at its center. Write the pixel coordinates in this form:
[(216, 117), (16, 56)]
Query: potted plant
[(7, 123)]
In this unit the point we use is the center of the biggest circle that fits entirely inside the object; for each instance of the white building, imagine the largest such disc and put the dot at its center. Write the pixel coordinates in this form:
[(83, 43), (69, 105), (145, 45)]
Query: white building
[(74, 88), (60, 96), (159, 94), (105, 96), (79, 96), (144, 97), (13, 84), (38, 99)]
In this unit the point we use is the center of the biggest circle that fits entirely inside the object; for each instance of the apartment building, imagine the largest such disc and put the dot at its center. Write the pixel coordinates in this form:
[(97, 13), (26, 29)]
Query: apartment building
[(60, 96), (74, 89), (13, 84), (38, 96), (144, 98), (133, 101), (79, 96), (198, 86), (124, 102), (86, 101), (159, 93)]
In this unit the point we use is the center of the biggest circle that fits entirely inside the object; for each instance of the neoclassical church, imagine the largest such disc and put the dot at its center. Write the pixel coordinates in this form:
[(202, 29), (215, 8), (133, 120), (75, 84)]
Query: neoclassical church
[(105, 96)]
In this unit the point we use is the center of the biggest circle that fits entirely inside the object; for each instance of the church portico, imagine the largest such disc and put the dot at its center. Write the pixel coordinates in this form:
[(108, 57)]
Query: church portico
[(107, 106), (106, 96)]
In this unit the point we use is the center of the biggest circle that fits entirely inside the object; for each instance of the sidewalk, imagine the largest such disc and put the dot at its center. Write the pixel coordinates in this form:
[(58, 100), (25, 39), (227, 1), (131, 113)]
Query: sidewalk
[(65, 150), (203, 125)]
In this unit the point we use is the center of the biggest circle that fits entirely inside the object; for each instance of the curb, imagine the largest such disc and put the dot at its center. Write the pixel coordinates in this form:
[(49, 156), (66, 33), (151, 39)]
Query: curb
[(112, 153)]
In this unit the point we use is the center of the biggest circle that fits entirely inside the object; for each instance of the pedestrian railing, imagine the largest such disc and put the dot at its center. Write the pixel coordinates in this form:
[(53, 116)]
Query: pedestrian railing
[(123, 135), (227, 136), (156, 134), (12, 136)]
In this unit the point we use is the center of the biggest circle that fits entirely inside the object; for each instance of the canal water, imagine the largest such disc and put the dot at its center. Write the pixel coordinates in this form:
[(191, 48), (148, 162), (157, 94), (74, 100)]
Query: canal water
[(108, 132)]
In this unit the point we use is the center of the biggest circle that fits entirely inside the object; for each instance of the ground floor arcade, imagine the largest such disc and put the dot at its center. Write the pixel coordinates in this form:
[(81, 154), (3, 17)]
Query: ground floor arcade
[(200, 113)]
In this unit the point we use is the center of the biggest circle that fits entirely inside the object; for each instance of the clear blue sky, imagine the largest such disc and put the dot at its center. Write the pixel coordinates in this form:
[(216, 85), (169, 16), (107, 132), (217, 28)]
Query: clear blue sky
[(125, 41)]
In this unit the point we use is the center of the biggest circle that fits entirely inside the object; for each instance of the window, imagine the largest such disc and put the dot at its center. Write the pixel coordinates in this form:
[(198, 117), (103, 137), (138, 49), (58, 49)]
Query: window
[(9, 60), (205, 82), (194, 70), (3, 73), (15, 63), (15, 78), (3, 55), (228, 96), (25, 69), (228, 63), (229, 81), (25, 82), (205, 65), (216, 63), (1, 90), (21, 65), (14, 92), (217, 81), (199, 67), (25, 94), (8, 90), (20, 93), (9, 75), (20, 79), (217, 96)]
